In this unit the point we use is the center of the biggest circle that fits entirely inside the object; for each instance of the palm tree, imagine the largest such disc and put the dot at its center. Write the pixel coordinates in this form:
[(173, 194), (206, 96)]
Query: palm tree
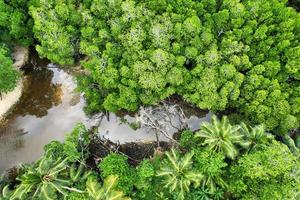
[(44, 180), (78, 174), (211, 182), (107, 191), (223, 137), (178, 173), (255, 135)]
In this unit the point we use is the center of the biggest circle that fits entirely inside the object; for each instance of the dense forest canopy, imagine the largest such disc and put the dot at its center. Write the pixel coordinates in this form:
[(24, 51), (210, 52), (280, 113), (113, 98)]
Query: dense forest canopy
[(15, 22), (216, 54), (237, 56), (242, 55)]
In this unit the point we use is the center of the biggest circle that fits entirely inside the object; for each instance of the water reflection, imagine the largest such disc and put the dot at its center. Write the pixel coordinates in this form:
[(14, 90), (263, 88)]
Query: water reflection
[(40, 94), (46, 112)]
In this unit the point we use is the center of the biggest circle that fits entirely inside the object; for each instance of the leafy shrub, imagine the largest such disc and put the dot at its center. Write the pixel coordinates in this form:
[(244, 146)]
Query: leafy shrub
[(145, 173), (145, 176), (15, 22), (187, 139), (270, 173), (212, 166), (8, 75), (77, 196), (75, 147), (116, 164)]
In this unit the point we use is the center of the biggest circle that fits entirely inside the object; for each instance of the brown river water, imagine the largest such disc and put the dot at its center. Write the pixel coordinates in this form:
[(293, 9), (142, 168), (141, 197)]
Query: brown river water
[(48, 110)]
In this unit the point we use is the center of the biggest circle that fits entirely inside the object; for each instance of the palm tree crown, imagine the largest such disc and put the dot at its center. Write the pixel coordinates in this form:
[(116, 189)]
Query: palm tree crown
[(255, 135), (178, 173), (221, 136)]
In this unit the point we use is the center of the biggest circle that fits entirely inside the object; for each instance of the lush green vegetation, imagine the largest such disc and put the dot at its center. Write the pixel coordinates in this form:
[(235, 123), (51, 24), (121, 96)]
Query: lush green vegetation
[(15, 28), (196, 169), (8, 75), (217, 55), (15, 22)]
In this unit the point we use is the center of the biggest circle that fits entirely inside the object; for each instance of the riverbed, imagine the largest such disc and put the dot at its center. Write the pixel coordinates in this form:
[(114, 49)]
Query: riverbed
[(50, 107)]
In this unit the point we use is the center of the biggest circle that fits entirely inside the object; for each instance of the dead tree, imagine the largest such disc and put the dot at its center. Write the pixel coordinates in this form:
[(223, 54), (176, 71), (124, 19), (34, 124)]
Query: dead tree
[(163, 120)]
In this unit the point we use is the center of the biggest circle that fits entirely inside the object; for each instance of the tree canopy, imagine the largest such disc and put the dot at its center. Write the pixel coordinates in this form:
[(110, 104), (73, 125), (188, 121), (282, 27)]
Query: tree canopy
[(236, 54), (242, 55), (8, 75), (15, 22)]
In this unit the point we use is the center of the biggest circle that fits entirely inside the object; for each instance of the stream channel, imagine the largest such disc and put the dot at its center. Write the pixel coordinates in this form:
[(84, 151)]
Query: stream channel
[(50, 107)]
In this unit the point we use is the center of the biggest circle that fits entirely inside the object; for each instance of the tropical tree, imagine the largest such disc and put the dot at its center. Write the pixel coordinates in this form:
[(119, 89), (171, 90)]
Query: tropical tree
[(105, 192), (177, 173), (78, 173), (15, 22), (255, 135), (8, 75), (212, 166), (44, 180), (116, 164), (270, 172), (221, 136)]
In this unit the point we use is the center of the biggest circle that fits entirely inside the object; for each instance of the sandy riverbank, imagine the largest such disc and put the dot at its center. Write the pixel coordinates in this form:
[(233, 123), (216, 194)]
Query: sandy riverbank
[(9, 99)]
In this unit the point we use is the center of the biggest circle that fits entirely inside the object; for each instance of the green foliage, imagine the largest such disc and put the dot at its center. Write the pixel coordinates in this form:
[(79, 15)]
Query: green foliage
[(145, 180), (145, 173), (205, 194), (116, 164), (215, 54), (212, 166), (43, 180), (75, 147), (57, 174), (267, 170), (56, 27), (76, 143), (15, 22), (291, 144), (177, 173), (230, 54), (257, 135), (187, 139), (270, 173), (78, 173), (77, 196), (221, 136), (107, 191), (8, 75)]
